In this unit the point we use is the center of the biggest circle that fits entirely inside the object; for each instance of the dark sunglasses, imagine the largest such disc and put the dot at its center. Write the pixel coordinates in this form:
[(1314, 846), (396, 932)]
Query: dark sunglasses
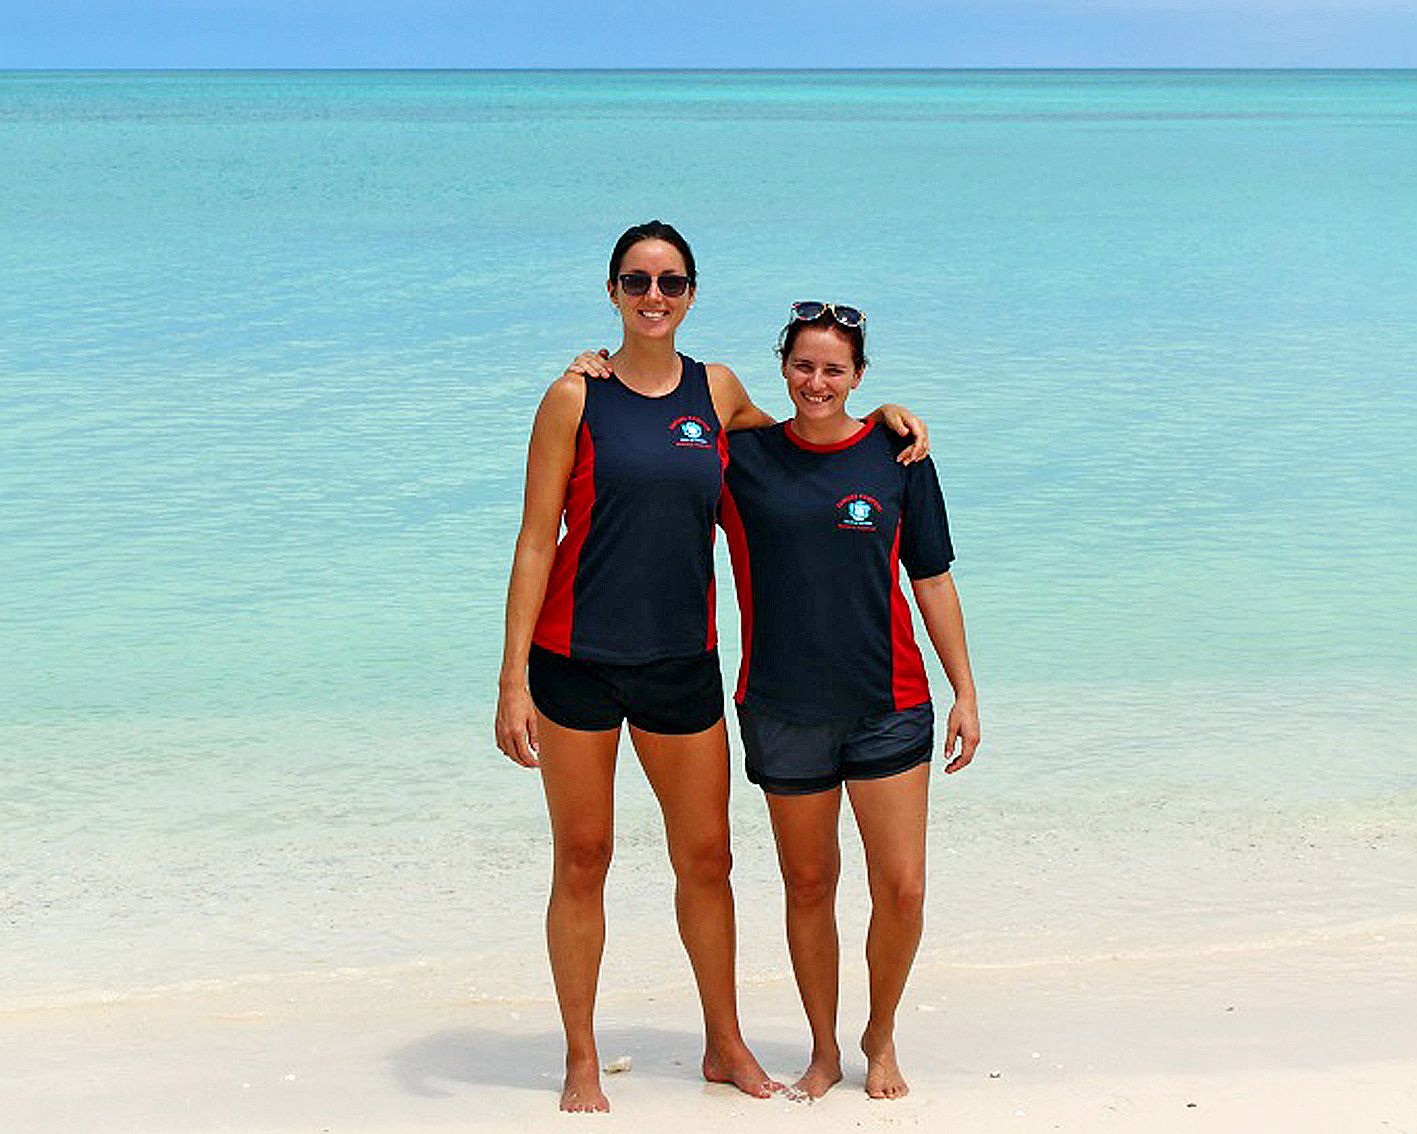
[(671, 285), (809, 311)]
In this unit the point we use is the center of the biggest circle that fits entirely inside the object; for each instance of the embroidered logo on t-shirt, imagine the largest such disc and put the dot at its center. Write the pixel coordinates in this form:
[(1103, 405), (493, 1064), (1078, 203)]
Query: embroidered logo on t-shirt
[(690, 433), (857, 512)]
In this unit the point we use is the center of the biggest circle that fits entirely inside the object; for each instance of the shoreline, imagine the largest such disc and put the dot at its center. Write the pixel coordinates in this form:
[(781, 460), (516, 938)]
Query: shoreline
[(464, 975), (1009, 891), (352, 843)]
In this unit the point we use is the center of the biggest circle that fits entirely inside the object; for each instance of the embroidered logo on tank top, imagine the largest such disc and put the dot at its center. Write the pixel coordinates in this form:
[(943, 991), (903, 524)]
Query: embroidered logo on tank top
[(690, 432), (857, 512)]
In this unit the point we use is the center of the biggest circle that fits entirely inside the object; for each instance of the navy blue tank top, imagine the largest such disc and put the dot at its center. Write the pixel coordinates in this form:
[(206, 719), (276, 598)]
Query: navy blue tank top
[(633, 576)]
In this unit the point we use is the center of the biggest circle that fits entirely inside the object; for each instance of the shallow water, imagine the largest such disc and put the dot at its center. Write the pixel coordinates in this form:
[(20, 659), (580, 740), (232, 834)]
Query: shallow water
[(270, 346)]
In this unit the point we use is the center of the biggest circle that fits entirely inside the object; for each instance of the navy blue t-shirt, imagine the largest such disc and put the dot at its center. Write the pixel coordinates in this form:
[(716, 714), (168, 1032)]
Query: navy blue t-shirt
[(818, 534), (632, 580)]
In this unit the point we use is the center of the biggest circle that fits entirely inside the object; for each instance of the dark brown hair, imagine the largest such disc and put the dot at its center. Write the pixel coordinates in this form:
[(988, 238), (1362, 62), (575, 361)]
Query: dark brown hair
[(651, 230), (856, 336)]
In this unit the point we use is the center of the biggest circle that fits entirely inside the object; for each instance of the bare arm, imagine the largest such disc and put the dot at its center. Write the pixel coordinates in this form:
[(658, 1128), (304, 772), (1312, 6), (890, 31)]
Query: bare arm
[(736, 410), (731, 402), (549, 460), (944, 622)]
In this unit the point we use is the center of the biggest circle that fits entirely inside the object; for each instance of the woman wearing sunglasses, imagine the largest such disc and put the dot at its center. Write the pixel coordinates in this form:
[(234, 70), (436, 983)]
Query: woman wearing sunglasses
[(614, 624), (820, 517)]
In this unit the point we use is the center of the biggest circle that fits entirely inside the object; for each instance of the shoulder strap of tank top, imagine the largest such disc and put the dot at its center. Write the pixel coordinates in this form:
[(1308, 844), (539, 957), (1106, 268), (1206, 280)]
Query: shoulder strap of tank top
[(694, 370), (695, 379)]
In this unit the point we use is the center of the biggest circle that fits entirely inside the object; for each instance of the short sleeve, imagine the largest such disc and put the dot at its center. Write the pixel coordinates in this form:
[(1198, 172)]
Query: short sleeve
[(925, 547)]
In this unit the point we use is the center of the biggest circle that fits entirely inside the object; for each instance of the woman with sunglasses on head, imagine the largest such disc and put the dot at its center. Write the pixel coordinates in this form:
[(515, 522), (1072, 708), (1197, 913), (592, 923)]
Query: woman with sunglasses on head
[(615, 623), (820, 516)]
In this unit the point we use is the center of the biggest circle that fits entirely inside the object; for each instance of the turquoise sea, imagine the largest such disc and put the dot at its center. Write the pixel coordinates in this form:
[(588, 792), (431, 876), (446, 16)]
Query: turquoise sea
[(269, 348)]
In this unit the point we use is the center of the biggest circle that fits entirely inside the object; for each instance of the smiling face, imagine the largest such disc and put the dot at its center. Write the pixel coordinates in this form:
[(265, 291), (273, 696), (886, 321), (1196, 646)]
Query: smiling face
[(820, 371), (652, 315)]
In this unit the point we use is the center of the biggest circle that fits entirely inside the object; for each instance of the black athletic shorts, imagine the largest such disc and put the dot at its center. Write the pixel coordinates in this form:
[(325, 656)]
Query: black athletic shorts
[(789, 758), (676, 696)]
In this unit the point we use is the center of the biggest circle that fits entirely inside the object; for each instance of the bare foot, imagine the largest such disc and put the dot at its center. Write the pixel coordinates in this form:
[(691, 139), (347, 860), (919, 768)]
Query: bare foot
[(822, 1075), (883, 1077), (582, 1093), (737, 1066)]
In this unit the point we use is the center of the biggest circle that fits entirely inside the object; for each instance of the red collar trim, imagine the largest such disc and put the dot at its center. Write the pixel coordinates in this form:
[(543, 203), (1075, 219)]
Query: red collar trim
[(835, 446)]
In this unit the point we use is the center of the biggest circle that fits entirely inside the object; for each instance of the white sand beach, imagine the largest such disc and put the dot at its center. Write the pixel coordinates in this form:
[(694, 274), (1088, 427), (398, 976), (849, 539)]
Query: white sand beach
[(1312, 1036)]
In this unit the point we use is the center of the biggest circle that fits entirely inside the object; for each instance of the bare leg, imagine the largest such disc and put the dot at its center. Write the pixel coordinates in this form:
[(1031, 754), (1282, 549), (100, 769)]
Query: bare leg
[(890, 814), (805, 827), (689, 775), (578, 775)]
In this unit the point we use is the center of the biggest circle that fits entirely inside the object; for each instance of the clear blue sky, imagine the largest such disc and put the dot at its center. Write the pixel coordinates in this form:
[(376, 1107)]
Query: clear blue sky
[(726, 33)]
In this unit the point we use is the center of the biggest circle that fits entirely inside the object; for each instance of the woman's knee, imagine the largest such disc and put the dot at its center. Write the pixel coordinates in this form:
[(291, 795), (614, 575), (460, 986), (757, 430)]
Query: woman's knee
[(900, 892), (812, 885), (704, 861), (583, 862)]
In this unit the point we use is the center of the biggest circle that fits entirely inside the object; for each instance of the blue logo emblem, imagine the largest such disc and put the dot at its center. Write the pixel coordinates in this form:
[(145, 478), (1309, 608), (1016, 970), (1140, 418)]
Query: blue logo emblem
[(690, 433), (857, 512)]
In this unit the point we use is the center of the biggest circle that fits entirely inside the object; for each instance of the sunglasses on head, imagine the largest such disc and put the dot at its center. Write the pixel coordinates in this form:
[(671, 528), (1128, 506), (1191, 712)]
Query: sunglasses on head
[(671, 284), (809, 311)]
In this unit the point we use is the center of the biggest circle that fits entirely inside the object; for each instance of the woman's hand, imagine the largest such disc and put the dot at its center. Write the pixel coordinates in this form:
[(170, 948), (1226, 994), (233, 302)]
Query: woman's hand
[(962, 732), (591, 364), (906, 423), (516, 724)]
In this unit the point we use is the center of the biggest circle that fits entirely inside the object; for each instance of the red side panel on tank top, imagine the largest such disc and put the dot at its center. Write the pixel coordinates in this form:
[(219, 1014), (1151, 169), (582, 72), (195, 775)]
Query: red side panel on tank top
[(742, 579), (553, 628)]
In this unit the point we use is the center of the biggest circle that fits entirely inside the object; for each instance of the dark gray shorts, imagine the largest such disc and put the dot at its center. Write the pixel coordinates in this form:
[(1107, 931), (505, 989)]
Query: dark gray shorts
[(789, 758)]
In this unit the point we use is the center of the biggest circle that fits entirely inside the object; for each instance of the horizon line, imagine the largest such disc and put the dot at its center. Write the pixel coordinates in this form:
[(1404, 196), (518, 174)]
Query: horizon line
[(691, 70)]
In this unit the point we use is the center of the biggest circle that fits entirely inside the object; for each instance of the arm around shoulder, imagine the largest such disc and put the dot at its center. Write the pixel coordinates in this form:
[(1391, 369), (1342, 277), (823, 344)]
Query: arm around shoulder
[(906, 424), (731, 402)]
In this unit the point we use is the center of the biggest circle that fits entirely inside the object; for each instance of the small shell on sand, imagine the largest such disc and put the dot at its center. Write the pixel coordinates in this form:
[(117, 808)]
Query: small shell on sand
[(615, 1066)]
